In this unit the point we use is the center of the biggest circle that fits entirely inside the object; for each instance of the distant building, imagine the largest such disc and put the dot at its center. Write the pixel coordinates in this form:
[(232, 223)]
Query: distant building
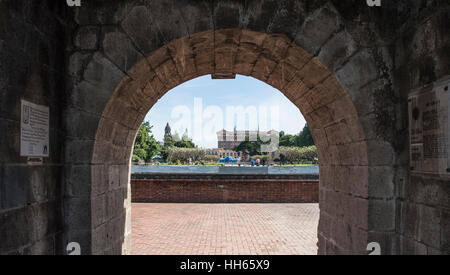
[(167, 131), (228, 140)]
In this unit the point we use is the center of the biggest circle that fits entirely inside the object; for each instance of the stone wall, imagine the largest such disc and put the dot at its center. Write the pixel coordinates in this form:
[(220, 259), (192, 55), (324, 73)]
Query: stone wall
[(422, 56), (214, 189), (32, 41), (348, 67)]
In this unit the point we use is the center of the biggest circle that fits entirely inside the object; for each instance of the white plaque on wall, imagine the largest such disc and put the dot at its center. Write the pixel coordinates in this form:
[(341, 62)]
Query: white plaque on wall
[(429, 129), (34, 130)]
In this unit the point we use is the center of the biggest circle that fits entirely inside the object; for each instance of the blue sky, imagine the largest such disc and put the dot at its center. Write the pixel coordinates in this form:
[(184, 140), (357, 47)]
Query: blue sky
[(213, 97)]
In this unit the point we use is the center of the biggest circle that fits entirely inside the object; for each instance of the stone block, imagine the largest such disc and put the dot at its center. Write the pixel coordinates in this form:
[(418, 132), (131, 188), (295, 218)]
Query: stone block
[(139, 27), (99, 211), (313, 73), (42, 247), (281, 76), (103, 74), (327, 177), (155, 88), (275, 46), (342, 179), (44, 219), (168, 74), (380, 153), (409, 225), (196, 15), (14, 230), (360, 240), (75, 215), (80, 124), (10, 143), (120, 50), (92, 14), (86, 38), (99, 240), (337, 50), (359, 150), (428, 191), (113, 177), (430, 226), (359, 211), (183, 57), (317, 28), (337, 134), (297, 57), (381, 181), (78, 151), (15, 185), (246, 57), (321, 95), (89, 98), (412, 247), (352, 77), (171, 25), (295, 90), (77, 178), (320, 117), (381, 215), (359, 180), (99, 179), (263, 67), (445, 232)]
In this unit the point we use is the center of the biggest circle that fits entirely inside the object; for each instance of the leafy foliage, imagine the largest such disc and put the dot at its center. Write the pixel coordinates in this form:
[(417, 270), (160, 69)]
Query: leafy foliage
[(298, 154), (304, 138), (180, 155), (145, 145), (251, 147)]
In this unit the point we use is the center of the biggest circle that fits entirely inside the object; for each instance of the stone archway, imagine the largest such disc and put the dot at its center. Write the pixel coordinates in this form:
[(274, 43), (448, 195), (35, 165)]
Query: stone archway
[(320, 78), (274, 60)]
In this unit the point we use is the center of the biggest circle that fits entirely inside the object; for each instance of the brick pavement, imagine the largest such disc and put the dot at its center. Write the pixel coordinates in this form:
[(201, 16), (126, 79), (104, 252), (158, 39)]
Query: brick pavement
[(224, 229)]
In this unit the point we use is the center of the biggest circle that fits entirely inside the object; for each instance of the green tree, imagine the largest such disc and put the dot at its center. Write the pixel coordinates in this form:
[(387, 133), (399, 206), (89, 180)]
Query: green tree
[(287, 140), (304, 138), (185, 141), (250, 147), (176, 141), (145, 145)]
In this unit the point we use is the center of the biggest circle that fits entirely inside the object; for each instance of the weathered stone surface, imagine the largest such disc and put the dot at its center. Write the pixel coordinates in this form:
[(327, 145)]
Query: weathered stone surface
[(144, 33), (317, 28), (100, 69), (445, 232), (87, 38), (352, 78), (382, 182), (15, 186), (350, 87), (382, 215), (119, 49), (337, 50), (430, 226)]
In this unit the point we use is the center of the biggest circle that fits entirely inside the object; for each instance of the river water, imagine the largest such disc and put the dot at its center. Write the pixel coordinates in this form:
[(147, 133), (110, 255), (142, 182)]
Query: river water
[(303, 170)]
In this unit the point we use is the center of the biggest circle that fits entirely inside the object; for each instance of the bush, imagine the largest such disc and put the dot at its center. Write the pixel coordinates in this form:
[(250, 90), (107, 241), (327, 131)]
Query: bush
[(178, 155), (298, 154)]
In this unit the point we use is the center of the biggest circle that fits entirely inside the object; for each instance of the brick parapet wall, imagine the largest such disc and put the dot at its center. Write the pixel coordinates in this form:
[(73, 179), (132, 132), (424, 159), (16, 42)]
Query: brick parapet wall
[(225, 191)]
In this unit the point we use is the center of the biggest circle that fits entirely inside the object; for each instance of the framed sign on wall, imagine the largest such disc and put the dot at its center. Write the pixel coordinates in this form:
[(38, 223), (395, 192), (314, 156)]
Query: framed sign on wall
[(429, 129), (34, 130)]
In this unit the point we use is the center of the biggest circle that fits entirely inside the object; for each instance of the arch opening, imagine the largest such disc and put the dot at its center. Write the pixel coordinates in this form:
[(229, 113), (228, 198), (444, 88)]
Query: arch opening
[(273, 59)]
